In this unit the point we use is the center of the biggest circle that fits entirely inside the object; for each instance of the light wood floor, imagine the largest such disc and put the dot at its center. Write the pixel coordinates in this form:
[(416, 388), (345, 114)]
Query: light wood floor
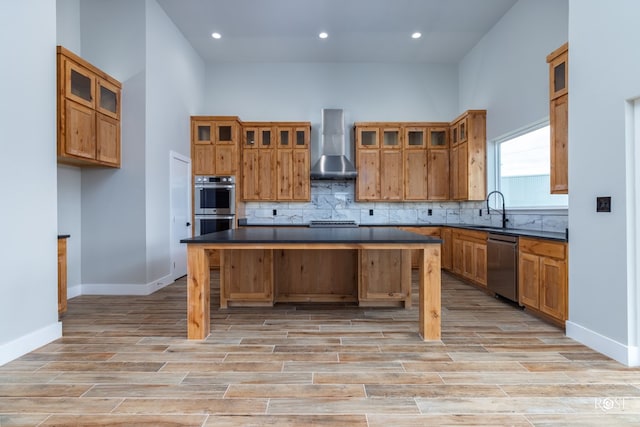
[(125, 361)]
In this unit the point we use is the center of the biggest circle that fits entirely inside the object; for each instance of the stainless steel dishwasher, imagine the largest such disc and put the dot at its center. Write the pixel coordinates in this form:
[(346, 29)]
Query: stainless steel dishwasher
[(502, 265)]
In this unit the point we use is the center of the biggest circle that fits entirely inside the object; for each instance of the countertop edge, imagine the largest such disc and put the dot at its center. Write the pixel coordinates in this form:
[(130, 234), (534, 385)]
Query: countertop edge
[(546, 235)]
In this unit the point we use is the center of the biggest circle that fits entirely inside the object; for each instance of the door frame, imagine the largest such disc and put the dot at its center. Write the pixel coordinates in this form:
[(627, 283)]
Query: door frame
[(175, 156), (632, 158)]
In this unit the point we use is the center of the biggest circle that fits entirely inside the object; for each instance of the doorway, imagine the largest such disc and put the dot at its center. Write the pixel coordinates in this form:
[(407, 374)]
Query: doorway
[(180, 200), (632, 156)]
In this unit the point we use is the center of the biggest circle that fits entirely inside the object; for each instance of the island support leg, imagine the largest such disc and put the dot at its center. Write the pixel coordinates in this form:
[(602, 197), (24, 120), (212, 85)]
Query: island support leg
[(430, 304), (198, 293)]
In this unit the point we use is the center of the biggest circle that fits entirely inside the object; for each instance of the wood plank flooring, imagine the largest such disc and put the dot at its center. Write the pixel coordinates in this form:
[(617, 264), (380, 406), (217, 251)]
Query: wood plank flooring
[(125, 361)]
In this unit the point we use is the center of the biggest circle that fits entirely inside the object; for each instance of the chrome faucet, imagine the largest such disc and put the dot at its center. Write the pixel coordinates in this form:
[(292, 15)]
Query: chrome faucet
[(504, 214)]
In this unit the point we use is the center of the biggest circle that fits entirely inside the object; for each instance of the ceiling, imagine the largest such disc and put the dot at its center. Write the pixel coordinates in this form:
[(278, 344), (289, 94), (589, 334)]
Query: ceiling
[(359, 30)]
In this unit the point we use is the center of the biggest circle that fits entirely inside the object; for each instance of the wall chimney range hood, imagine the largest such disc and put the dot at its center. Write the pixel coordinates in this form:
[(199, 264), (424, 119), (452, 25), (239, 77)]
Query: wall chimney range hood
[(333, 162)]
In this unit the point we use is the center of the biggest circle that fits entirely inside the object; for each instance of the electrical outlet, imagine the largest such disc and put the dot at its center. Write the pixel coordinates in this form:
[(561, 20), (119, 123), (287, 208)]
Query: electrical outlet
[(370, 212), (275, 212), (429, 212), (603, 204)]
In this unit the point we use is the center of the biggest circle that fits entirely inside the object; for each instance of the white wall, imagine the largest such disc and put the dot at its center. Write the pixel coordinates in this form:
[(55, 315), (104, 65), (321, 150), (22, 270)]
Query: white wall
[(125, 213), (299, 91), (506, 72), (175, 81), (70, 177), (28, 288), (68, 25), (113, 200), (603, 75), (70, 222)]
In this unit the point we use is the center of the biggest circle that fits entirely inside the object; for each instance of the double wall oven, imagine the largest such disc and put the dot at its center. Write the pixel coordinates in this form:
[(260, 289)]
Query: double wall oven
[(214, 201)]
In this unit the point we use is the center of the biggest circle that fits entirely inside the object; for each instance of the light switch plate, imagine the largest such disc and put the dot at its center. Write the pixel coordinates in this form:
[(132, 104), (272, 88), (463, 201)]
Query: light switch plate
[(603, 204)]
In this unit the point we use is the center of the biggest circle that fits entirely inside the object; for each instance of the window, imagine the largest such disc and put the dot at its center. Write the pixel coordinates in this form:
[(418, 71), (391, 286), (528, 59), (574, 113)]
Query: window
[(523, 161)]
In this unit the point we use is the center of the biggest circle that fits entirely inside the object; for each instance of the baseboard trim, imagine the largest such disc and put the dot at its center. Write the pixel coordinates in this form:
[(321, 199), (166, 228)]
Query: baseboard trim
[(125, 288), (627, 355), (19, 347)]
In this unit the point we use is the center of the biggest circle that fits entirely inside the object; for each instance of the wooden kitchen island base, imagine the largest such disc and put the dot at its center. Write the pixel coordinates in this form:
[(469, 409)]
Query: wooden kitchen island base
[(259, 277), (371, 266)]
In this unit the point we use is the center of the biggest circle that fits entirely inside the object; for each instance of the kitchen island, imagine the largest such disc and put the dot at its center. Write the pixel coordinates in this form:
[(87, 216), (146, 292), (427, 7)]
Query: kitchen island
[(250, 272)]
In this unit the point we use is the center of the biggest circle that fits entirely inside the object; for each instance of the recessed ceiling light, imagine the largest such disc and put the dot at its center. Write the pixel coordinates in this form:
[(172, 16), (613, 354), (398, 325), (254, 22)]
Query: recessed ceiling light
[(416, 35), (323, 35), (216, 35)]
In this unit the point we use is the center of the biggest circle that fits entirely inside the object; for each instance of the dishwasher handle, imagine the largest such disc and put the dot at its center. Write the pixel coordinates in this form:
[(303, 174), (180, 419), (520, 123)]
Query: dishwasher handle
[(502, 238)]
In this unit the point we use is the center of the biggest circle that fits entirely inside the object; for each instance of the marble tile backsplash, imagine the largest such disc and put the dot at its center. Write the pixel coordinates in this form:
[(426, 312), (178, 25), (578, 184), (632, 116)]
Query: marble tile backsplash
[(335, 200)]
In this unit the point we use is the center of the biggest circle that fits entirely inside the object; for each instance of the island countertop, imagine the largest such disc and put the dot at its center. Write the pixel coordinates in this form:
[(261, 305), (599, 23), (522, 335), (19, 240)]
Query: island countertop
[(257, 235)]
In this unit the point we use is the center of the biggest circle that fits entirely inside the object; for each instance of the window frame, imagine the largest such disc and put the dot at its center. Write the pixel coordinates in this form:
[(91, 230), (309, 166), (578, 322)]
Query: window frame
[(549, 209)]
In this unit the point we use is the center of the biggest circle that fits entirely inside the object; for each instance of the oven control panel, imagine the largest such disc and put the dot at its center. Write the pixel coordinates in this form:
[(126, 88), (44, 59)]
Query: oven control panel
[(202, 179)]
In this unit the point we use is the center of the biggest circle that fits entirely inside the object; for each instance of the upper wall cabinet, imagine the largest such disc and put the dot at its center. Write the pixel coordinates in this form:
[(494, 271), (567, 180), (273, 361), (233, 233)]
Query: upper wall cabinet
[(276, 161), (468, 175), (214, 145), (558, 61), (420, 161), (88, 113), (379, 160)]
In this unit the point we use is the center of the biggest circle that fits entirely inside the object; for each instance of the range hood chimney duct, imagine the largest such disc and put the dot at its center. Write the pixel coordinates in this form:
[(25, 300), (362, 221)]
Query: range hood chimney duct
[(334, 162)]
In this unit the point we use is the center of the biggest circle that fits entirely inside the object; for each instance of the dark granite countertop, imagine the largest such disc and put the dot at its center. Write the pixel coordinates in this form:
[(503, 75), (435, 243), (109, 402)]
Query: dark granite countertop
[(275, 234), (549, 235), (64, 236)]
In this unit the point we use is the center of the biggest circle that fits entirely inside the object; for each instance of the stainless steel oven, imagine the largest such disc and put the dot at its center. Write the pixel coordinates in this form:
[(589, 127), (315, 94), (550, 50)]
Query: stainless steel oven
[(205, 224), (214, 195)]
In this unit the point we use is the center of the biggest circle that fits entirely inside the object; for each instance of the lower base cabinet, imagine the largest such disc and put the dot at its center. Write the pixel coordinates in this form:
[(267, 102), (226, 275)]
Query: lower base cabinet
[(542, 278), (378, 281), (469, 255), (62, 275), (247, 277), (445, 236), (262, 277)]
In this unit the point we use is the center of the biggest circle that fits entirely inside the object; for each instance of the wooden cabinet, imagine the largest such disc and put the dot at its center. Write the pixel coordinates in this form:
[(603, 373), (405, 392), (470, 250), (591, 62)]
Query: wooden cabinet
[(467, 173), (559, 118), (456, 254), (214, 145), (293, 163), (258, 162), (367, 163), (416, 170), (402, 161), (88, 113), (379, 160), (246, 277), (542, 277), (445, 235), (438, 164), (275, 161), (419, 161), (469, 255), (62, 275), (378, 282)]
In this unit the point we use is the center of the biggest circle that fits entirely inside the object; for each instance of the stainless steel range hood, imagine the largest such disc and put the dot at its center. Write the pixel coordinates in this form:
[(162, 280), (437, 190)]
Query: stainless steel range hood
[(334, 162)]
